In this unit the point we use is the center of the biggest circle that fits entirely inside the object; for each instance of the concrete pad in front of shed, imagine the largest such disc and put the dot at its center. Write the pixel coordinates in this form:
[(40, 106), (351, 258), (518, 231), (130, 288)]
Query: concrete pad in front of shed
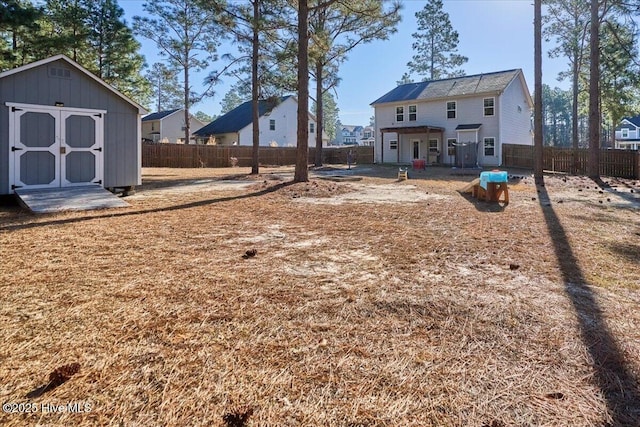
[(51, 200)]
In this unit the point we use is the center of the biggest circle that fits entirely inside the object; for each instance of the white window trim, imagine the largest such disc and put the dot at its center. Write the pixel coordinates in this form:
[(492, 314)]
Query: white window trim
[(391, 144), (455, 109), (484, 146), (484, 109), (312, 127), (398, 114), (415, 113), (272, 122), (625, 130)]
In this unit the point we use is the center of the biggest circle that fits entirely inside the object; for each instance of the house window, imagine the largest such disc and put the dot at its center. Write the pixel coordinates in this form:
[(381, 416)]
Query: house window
[(433, 146), (393, 144), (451, 110), (399, 114), (489, 106), (312, 128), (489, 146), (272, 124), (625, 133), (451, 146), (413, 113)]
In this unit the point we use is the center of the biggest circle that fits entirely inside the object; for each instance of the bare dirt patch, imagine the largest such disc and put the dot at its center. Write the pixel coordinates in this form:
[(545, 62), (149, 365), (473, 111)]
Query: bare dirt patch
[(366, 303)]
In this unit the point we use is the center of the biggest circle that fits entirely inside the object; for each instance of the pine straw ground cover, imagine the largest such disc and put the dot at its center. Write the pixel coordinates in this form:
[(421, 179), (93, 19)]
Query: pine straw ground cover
[(370, 303)]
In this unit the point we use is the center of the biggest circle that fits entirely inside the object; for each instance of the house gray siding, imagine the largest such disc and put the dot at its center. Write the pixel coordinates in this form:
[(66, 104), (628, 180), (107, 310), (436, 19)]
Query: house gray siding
[(36, 86)]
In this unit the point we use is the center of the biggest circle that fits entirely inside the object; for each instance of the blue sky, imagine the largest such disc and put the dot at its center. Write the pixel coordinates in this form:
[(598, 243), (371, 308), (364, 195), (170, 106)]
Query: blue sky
[(494, 34)]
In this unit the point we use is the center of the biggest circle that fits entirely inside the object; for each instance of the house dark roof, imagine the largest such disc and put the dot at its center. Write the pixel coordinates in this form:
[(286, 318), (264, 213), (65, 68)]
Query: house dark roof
[(451, 87), (635, 120), (238, 118), (159, 115)]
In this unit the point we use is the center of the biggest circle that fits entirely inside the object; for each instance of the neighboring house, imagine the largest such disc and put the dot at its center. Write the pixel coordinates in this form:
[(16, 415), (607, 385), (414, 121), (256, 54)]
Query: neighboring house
[(278, 125), (451, 121), (628, 134), (348, 134), (168, 126), (368, 136), (61, 126)]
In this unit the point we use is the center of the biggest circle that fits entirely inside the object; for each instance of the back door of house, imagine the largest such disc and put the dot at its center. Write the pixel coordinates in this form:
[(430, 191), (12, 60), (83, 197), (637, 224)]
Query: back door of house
[(54, 146)]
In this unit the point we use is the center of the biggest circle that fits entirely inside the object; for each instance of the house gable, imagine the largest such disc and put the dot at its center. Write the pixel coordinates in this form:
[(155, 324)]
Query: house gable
[(65, 62)]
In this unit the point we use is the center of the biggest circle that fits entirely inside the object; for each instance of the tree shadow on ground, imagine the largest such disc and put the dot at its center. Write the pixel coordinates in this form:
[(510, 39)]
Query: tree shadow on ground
[(612, 374), (109, 214)]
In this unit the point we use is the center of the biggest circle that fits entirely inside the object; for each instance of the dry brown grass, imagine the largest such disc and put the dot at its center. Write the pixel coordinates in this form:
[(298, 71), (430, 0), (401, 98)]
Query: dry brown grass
[(357, 310)]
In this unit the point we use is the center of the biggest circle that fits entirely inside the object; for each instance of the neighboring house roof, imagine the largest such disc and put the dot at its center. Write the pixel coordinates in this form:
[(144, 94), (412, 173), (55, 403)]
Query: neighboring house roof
[(446, 88), (352, 128), (141, 109), (238, 118), (633, 120), (159, 115)]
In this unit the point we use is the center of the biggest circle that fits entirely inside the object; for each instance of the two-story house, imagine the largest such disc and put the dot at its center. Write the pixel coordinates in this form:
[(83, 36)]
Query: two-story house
[(168, 126), (628, 134), (455, 121), (368, 136), (278, 125), (348, 134)]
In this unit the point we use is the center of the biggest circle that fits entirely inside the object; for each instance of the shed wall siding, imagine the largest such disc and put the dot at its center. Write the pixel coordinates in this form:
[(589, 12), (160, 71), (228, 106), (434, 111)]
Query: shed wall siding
[(4, 142), (35, 86)]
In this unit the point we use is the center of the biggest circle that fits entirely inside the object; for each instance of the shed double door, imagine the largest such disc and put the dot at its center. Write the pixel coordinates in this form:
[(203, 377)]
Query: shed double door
[(55, 146)]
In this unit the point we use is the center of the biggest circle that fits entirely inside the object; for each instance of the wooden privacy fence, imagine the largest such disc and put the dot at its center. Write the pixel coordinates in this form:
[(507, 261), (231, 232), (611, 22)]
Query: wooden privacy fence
[(216, 156), (618, 163)]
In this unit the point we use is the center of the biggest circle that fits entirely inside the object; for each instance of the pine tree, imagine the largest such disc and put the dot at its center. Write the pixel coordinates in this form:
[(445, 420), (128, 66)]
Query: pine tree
[(165, 88), (567, 22), (436, 44), (231, 100), (18, 28), (188, 33), (255, 27), (619, 76), (337, 28), (115, 51), (330, 115), (67, 30)]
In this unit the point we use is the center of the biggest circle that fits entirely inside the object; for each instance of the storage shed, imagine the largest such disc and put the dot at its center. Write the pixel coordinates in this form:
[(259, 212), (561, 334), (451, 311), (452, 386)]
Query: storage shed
[(61, 126)]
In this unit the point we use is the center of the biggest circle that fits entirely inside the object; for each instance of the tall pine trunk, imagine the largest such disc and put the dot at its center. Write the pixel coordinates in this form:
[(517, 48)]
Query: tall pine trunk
[(319, 113), (301, 173), (594, 94), (574, 113), (254, 90), (537, 117), (187, 130)]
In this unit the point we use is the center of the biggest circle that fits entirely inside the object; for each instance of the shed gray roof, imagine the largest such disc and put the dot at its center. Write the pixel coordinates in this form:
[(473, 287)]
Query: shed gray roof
[(238, 118), (141, 109), (447, 88), (159, 115)]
